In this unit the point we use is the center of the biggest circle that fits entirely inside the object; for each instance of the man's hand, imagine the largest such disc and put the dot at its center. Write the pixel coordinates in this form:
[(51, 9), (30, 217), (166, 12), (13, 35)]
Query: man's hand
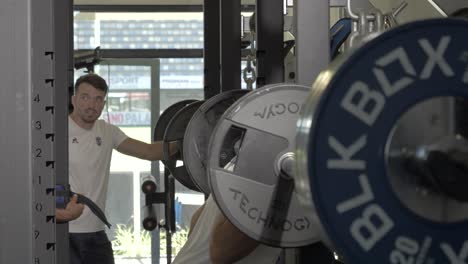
[(71, 212)]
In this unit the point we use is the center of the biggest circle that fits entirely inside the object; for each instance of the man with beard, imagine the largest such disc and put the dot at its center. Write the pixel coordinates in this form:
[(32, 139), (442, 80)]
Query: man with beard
[(91, 142)]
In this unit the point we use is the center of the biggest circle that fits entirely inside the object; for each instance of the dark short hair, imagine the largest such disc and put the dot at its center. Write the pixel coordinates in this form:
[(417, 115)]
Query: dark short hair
[(93, 79)]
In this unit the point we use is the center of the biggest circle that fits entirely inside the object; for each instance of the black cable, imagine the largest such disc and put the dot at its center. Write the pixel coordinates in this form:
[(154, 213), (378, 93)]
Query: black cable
[(63, 195), (93, 207)]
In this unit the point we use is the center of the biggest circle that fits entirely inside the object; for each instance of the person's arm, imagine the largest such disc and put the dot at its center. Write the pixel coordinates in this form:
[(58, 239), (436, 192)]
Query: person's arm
[(194, 219), (142, 150), (228, 244), (72, 211)]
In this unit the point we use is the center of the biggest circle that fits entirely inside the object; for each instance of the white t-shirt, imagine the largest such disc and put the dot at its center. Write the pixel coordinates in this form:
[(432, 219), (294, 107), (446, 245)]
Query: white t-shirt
[(196, 249), (90, 153)]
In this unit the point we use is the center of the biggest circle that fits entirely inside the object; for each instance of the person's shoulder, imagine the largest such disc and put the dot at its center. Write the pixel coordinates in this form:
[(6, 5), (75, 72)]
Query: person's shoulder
[(104, 124)]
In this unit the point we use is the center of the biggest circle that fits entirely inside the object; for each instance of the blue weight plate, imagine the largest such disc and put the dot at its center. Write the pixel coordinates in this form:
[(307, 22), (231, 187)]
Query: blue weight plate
[(249, 167), (352, 130)]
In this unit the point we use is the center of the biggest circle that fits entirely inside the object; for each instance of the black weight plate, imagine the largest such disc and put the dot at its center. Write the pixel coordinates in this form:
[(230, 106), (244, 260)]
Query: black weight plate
[(166, 116), (175, 131), (198, 133)]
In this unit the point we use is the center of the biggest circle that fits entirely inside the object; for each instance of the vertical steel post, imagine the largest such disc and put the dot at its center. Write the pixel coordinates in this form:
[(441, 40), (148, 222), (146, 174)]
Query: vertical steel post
[(211, 53), (230, 44), (312, 39), (63, 72), (43, 129), (17, 243), (269, 33)]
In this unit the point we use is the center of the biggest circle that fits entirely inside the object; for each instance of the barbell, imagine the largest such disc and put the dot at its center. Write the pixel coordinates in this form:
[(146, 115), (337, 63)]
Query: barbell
[(359, 161)]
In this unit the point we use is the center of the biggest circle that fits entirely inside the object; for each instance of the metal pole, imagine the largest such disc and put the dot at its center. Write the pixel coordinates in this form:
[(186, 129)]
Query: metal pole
[(230, 47), (155, 109), (269, 32), (63, 42), (43, 131), (16, 221), (447, 7), (211, 54), (312, 39)]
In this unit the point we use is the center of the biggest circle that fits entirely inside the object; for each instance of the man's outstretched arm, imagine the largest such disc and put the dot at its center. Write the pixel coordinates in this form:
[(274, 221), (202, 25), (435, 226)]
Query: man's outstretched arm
[(143, 150)]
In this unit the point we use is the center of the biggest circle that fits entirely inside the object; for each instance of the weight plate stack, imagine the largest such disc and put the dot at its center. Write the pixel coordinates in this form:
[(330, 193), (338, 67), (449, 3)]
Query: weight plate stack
[(166, 116), (175, 132)]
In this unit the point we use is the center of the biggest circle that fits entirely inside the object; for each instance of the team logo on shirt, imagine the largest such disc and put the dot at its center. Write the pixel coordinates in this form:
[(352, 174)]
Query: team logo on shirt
[(98, 141), (75, 140)]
